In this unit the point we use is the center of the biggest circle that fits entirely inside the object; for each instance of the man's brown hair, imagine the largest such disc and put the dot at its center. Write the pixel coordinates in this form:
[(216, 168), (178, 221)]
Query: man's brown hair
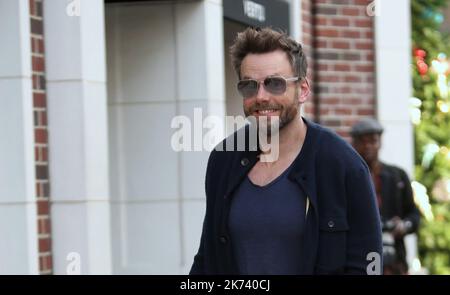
[(265, 40)]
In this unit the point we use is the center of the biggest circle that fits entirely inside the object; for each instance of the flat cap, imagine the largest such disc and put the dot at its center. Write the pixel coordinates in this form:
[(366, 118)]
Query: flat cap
[(366, 126)]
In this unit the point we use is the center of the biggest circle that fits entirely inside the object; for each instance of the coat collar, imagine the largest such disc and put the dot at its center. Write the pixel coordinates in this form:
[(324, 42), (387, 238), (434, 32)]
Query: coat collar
[(303, 171)]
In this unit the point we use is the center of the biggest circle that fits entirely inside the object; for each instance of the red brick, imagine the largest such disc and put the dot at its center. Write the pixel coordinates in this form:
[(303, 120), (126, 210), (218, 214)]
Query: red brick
[(39, 100), (32, 7), (38, 189), (34, 47), (36, 26), (46, 189), (41, 263), (41, 118), (351, 56), (339, 2), (350, 34), (324, 111), (38, 82), (365, 68), (41, 48), (364, 45), (305, 5), (39, 8), (38, 64), (44, 156), (362, 2), (307, 19), (326, 55), (40, 135), (49, 262), (344, 89), (326, 33), (351, 121), (325, 10), (342, 111), (352, 79), (351, 11), (36, 118), (41, 172), (340, 44), (330, 100), (363, 23), (35, 82), (44, 245), (353, 101), (365, 112), (331, 122), (45, 226), (307, 30), (327, 78), (342, 67), (321, 21), (340, 22), (321, 89), (43, 207), (321, 43), (40, 226), (322, 67)]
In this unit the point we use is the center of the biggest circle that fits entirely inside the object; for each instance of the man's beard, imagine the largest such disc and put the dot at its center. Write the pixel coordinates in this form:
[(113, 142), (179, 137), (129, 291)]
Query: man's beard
[(270, 126)]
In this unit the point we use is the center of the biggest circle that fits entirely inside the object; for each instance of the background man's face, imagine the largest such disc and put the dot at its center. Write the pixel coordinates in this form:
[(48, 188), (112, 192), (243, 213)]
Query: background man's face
[(368, 146), (286, 106)]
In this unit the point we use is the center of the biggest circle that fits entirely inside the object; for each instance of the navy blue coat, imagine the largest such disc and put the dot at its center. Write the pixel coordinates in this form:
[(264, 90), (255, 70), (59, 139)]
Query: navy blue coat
[(342, 222)]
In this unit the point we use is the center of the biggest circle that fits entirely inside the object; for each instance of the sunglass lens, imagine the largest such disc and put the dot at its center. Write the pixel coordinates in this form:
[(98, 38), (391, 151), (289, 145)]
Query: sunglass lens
[(275, 85), (247, 88)]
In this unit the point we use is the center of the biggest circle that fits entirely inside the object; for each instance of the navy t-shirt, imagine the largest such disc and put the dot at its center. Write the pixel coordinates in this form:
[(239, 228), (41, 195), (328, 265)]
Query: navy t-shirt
[(266, 224)]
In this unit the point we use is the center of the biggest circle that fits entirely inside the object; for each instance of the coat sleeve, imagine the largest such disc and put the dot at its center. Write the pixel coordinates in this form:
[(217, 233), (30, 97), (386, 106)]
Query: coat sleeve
[(198, 266), (364, 236)]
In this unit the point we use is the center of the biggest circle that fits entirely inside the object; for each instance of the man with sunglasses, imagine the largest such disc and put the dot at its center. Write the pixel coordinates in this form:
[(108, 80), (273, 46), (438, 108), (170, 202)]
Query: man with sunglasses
[(312, 209)]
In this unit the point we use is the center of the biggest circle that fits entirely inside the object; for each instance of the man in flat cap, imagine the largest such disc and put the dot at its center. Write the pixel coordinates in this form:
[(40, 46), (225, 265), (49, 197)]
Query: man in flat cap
[(398, 211)]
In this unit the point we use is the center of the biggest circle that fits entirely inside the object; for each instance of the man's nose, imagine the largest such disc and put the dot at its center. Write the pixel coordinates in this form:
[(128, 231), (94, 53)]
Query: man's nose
[(262, 94)]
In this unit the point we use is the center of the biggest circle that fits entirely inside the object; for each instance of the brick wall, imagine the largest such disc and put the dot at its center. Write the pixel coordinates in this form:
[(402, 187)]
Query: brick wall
[(343, 61), (41, 137), (307, 42)]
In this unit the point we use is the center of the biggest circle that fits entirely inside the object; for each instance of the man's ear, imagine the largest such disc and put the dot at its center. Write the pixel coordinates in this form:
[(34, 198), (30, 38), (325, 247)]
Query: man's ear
[(304, 90)]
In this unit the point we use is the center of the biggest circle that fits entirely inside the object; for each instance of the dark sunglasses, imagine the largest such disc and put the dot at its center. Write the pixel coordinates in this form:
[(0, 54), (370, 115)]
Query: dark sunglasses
[(276, 85)]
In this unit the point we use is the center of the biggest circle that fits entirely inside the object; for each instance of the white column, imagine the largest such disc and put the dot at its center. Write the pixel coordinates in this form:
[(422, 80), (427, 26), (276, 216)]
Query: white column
[(76, 93), (201, 63), (393, 51), (393, 63), (164, 59), (18, 223), (295, 10)]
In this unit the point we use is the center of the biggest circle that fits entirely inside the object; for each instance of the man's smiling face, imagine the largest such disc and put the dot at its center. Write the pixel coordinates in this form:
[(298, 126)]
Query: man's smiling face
[(285, 106)]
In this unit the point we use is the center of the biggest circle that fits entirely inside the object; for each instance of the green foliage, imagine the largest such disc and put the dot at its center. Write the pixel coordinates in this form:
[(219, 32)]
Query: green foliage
[(434, 128), (434, 240)]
